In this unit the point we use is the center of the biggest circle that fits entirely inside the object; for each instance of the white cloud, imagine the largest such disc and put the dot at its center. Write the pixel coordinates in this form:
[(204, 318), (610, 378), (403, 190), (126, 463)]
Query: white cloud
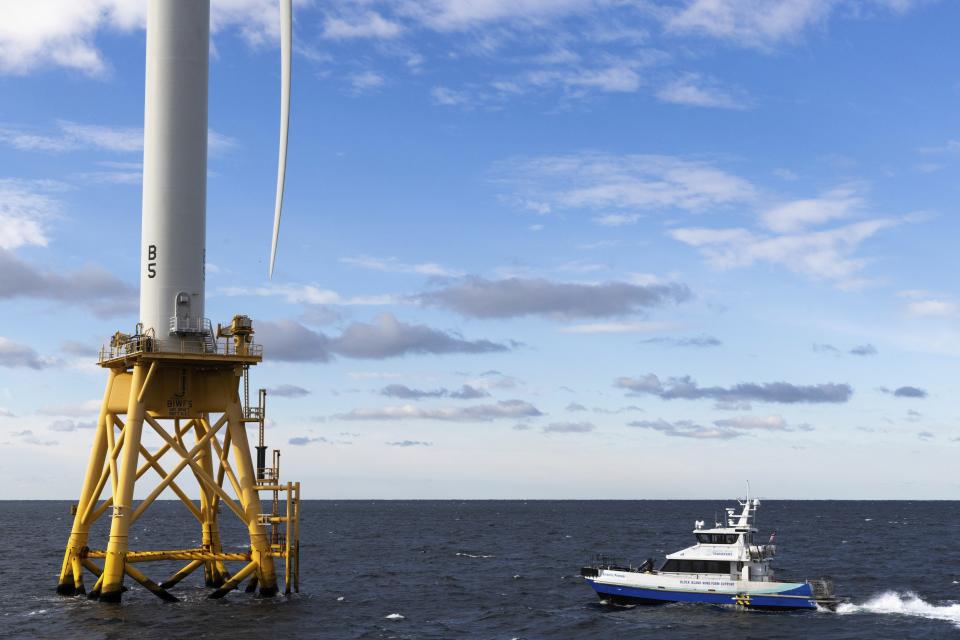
[(827, 255), (73, 136), (756, 23), (505, 409), (62, 33), (797, 215), (369, 24), (619, 327), (392, 265), (306, 294), (933, 308), (607, 181), (695, 91), (24, 207), (13, 354), (366, 81)]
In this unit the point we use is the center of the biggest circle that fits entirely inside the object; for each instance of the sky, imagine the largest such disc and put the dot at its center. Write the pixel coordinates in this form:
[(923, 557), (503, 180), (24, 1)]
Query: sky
[(617, 249)]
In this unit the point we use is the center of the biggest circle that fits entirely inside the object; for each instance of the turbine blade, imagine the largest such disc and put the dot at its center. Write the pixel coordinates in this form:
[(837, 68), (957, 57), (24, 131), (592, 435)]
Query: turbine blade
[(286, 47)]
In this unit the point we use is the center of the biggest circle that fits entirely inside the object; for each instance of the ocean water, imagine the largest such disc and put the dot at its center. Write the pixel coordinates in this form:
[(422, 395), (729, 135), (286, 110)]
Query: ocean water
[(502, 569)]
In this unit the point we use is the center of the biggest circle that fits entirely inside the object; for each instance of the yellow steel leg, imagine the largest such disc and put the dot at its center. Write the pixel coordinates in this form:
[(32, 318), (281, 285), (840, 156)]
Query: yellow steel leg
[(78, 536), (210, 532), (117, 547), (259, 543)]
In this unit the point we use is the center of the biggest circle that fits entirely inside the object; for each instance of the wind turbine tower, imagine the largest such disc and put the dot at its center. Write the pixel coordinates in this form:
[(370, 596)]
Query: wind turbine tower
[(175, 375)]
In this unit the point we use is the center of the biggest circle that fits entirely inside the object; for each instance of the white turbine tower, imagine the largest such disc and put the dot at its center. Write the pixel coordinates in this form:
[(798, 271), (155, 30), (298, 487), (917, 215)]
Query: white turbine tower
[(175, 374)]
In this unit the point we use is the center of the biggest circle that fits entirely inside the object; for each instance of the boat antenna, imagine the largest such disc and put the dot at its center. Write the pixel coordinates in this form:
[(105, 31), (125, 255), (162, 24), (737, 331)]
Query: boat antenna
[(748, 491)]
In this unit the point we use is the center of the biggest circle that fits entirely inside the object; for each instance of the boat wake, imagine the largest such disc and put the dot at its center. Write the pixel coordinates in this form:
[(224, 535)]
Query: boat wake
[(906, 604)]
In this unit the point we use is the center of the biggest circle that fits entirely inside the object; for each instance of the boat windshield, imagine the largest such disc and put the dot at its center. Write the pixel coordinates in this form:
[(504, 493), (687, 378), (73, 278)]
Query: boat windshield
[(716, 538)]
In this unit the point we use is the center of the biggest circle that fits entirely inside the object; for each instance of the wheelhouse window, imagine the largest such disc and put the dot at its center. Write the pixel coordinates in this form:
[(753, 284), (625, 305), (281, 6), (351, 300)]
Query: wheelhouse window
[(717, 538), (696, 566)]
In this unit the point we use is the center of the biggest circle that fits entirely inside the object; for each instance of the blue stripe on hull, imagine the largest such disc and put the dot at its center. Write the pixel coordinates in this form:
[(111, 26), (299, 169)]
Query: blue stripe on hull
[(661, 595)]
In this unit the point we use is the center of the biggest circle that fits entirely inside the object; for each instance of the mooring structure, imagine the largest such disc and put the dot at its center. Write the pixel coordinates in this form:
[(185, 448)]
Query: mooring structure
[(175, 374)]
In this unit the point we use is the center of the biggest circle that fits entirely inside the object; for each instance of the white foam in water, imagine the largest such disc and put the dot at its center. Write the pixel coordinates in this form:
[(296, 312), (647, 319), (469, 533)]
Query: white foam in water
[(470, 555), (396, 616), (906, 604)]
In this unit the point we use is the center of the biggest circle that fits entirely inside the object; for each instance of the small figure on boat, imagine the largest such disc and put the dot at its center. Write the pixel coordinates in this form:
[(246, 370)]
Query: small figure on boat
[(725, 567)]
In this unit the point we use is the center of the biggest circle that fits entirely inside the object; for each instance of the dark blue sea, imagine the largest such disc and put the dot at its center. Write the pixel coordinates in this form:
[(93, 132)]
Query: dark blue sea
[(501, 569)]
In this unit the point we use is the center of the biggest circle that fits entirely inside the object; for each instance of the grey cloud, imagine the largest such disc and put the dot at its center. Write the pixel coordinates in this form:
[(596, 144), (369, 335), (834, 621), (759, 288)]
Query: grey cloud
[(292, 342), (72, 425), (299, 441), (926, 435), (410, 443), (386, 337), (627, 409), (476, 413), (288, 391), (28, 436), (699, 342), (569, 427), (14, 355), (859, 350), (864, 350), (91, 287), (905, 392), (77, 348), (575, 406), (513, 297), (465, 392), (784, 392), (825, 348)]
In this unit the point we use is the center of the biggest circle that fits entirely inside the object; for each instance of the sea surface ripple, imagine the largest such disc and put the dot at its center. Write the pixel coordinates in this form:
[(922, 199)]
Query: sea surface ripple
[(502, 569)]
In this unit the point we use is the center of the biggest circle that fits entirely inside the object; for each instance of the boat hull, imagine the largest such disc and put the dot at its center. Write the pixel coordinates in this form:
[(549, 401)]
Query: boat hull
[(624, 594)]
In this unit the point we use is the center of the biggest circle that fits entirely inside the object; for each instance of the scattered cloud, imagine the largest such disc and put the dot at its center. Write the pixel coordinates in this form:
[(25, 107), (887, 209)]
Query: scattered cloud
[(364, 24), (724, 429), (410, 443), (866, 349), (366, 81), (575, 406), (686, 429), (75, 136), (825, 255), (933, 308), (751, 23), (25, 208), (62, 33), (798, 215), (693, 90), (622, 184), (760, 423), (513, 297), (905, 392), (618, 327), (505, 409), (79, 349), (385, 337), (72, 425), (392, 265), (14, 355), (926, 435), (29, 437), (782, 392), (698, 342), (569, 427), (300, 441), (863, 350), (465, 392), (288, 391)]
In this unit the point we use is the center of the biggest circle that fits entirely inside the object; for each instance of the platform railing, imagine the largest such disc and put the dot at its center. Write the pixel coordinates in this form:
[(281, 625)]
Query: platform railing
[(204, 343)]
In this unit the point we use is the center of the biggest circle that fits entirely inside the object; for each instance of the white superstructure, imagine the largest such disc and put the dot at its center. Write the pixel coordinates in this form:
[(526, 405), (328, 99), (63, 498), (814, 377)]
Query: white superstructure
[(175, 168)]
